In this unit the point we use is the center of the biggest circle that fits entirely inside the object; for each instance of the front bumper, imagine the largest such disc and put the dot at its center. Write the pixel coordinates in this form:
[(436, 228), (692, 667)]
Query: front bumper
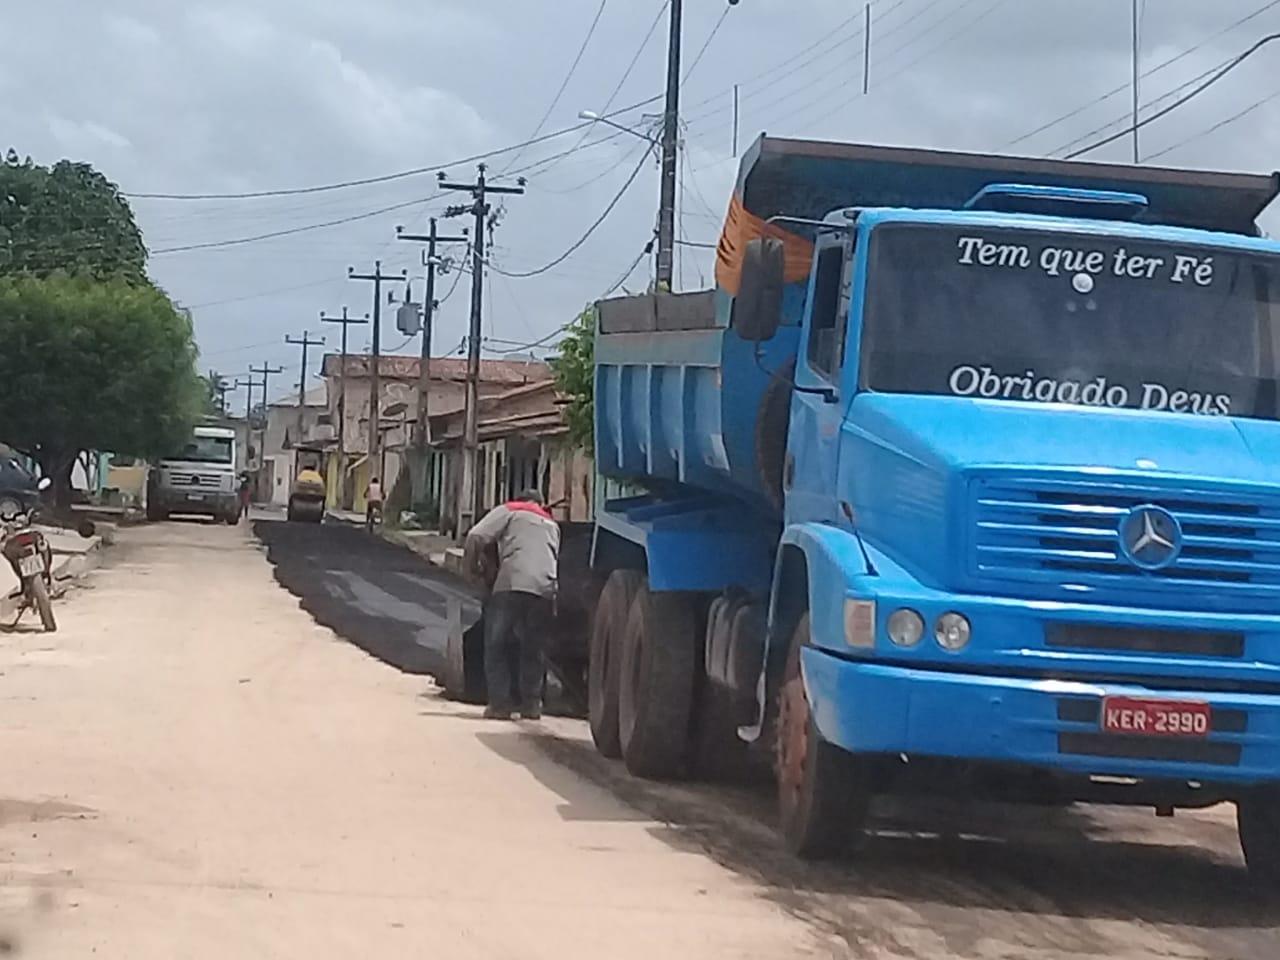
[(1053, 724), (208, 503)]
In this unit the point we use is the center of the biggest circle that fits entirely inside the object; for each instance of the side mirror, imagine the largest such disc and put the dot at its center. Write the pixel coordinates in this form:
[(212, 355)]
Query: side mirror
[(44, 484), (757, 309)]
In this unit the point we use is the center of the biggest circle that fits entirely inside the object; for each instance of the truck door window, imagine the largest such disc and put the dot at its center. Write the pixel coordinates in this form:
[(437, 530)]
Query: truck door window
[(826, 332)]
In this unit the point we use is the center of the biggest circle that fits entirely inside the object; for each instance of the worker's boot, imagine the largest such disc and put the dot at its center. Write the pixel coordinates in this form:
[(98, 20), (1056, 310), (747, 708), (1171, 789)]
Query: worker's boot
[(492, 712), (531, 711)]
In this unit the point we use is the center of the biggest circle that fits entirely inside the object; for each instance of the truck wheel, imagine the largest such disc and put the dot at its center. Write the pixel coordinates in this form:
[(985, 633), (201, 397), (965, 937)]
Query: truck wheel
[(39, 595), (1258, 817), (823, 792), (659, 664), (604, 659)]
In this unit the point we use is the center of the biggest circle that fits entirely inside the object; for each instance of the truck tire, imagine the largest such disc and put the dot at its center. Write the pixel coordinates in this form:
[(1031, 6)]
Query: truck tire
[(1258, 818), (660, 647), (823, 792), (604, 659), (38, 593)]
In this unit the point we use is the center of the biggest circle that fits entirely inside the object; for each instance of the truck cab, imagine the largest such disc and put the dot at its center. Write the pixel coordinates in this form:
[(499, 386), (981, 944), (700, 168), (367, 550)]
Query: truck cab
[(200, 479), (1026, 525)]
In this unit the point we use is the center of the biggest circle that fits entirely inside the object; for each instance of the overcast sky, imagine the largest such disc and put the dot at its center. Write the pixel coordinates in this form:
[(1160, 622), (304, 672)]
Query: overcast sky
[(227, 96)]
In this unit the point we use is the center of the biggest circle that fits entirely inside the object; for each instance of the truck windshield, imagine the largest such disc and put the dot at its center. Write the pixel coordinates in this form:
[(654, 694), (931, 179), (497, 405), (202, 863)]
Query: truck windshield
[(205, 450), (1069, 318)]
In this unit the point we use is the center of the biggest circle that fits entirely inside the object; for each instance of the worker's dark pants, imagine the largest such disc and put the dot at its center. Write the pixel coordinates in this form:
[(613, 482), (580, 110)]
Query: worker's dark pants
[(515, 625)]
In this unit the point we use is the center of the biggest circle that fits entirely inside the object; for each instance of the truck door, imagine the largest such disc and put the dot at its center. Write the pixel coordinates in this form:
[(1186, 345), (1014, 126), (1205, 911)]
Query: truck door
[(809, 475)]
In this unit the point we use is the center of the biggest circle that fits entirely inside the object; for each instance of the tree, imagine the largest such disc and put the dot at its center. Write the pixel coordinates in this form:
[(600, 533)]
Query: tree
[(66, 218), (93, 365), (575, 376)]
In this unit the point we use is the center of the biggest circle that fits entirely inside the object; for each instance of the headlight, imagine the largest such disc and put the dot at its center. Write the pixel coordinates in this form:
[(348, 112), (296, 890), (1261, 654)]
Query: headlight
[(905, 627), (952, 631)]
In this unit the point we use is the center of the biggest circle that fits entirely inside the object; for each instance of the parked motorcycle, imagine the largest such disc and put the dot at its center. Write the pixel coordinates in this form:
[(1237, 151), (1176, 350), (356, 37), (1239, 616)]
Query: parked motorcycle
[(31, 557)]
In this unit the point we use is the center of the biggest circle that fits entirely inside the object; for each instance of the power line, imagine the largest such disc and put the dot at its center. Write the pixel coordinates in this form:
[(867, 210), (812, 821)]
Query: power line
[(648, 249), (1153, 70), (1127, 117), (385, 178), (290, 231), (521, 274), (1215, 127), (573, 68), (961, 29), (264, 293), (1235, 62), (626, 75), (705, 44)]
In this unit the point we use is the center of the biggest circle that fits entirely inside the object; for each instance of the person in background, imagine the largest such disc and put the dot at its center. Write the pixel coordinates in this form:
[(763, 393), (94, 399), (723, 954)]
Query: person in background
[(244, 491), (516, 549), (373, 503)]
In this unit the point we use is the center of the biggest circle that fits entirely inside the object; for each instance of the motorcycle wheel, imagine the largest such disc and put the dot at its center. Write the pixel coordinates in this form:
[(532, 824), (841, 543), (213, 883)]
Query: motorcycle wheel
[(39, 594)]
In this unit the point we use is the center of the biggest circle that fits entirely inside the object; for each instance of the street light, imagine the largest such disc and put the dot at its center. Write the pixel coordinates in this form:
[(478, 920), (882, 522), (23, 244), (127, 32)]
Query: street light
[(592, 117)]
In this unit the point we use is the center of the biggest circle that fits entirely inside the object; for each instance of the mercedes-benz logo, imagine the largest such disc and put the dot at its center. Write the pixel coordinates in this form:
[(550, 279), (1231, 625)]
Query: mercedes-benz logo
[(1150, 537)]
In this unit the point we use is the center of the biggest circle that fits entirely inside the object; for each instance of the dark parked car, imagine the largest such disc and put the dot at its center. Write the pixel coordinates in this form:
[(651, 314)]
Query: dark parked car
[(18, 485)]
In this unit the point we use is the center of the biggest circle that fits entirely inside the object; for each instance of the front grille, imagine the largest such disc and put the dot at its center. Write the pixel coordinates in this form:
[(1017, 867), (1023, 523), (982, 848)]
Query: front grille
[(202, 480), (1114, 746), (1075, 636), (1067, 532)]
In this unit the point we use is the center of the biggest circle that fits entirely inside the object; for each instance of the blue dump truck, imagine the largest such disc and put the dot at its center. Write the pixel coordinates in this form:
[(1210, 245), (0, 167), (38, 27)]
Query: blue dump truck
[(966, 472)]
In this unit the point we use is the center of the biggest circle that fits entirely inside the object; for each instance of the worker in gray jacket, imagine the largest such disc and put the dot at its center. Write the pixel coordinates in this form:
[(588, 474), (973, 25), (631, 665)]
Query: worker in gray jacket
[(516, 549)]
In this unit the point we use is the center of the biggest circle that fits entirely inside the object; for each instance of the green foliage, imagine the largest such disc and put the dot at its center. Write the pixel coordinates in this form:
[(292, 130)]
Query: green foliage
[(575, 376), (66, 218), (91, 365)]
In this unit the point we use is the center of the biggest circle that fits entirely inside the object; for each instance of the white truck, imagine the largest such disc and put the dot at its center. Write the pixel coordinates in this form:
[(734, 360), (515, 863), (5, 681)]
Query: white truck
[(199, 479)]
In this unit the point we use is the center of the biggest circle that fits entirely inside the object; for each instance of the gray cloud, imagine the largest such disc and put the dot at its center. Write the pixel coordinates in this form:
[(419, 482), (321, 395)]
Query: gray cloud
[(230, 95)]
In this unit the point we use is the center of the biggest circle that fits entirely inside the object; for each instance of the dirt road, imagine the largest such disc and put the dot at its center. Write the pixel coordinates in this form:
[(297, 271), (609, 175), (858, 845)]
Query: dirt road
[(196, 768), (937, 879), (193, 768)]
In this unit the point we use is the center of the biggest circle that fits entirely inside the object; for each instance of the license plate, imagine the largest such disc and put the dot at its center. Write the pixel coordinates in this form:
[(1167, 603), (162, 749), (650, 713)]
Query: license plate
[(1135, 716), (31, 565), (195, 497)]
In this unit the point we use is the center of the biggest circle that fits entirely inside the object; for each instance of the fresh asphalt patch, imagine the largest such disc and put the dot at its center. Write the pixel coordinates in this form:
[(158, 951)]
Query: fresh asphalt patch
[(379, 596)]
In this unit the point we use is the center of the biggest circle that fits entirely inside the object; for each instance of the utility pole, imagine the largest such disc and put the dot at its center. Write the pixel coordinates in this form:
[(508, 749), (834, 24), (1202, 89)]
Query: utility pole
[(421, 429), (265, 371), (305, 342), (248, 384), (866, 50), (346, 321), (375, 376), (468, 491), (1136, 48), (670, 133), (735, 120)]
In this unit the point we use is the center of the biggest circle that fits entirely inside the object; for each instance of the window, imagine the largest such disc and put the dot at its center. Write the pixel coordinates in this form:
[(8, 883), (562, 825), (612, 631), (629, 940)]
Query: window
[(826, 331), (1030, 316)]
